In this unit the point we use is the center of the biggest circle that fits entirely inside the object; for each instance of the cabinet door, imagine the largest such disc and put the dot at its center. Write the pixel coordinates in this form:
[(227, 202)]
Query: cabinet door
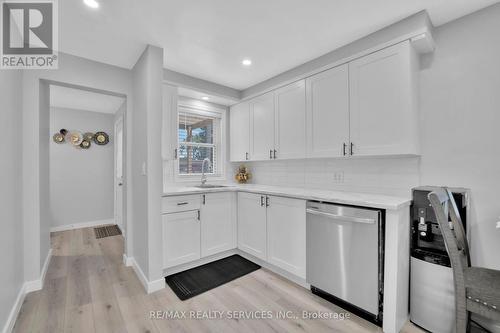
[(262, 127), (383, 108), (181, 238), (217, 223), (239, 132), (252, 235), (290, 121), (327, 95), (286, 234)]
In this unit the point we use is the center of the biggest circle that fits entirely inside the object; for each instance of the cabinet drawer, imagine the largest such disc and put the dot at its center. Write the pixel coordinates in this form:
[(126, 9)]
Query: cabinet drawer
[(180, 203)]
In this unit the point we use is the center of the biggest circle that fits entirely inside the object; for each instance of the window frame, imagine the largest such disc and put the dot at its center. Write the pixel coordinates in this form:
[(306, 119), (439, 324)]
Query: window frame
[(203, 109)]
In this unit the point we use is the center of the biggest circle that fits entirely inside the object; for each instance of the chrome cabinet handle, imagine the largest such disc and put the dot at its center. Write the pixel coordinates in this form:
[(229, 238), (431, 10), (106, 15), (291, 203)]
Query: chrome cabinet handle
[(199, 215), (261, 201), (182, 203), (246, 156), (175, 153), (344, 146), (204, 199), (352, 149), (270, 154), (267, 201), (274, 154)]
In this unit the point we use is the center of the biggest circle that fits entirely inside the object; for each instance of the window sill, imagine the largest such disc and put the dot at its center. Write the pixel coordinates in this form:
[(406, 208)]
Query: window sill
[(197, 178)]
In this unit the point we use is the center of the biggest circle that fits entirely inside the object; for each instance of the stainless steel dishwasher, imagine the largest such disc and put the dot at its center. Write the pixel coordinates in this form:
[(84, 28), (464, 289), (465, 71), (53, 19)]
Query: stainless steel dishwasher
[(345, 257)]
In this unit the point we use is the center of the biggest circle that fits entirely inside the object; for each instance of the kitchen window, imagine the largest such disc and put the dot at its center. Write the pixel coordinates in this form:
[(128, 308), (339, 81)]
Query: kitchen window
[(200, 136)]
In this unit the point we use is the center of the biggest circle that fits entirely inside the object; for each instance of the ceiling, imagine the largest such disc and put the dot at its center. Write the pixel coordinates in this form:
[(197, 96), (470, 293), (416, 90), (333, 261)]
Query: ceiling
[(209, 38), (69, 98)]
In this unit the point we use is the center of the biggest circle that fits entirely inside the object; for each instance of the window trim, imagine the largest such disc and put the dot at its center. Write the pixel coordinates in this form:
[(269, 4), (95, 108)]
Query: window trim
[(204, 109)]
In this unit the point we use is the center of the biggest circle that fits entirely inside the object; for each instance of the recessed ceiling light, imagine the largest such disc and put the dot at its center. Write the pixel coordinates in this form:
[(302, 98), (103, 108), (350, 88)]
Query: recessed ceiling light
[(246, 62), (205, 98), (91, 3)]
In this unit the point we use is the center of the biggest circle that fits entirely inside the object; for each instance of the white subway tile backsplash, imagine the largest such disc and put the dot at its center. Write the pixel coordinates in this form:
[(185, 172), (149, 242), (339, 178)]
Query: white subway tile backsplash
[(391, 176)]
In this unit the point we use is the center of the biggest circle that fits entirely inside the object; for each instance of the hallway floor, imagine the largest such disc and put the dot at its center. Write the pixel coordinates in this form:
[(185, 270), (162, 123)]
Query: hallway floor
[(88, 289)]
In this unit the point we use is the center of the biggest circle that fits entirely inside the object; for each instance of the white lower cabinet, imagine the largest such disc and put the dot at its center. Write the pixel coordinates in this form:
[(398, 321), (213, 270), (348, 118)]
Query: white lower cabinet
[(286, 234), (273, 229), (205, 227), (252, 229), (181, 238), (217, 223)]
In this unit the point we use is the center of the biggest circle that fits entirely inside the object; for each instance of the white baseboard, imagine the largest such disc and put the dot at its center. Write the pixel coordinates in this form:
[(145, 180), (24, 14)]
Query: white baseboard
[(82, 225), (38, 284), (149, 286), (287, 275), (127, 261), (14, 312), (26, 288), (121, 229)]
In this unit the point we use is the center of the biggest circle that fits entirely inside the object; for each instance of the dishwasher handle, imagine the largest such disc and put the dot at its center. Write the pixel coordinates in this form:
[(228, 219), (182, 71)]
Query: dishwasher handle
[(341, 217)]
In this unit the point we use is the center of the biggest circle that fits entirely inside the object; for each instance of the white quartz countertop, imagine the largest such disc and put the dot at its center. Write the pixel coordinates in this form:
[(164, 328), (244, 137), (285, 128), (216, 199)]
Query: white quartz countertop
[(341, 197)]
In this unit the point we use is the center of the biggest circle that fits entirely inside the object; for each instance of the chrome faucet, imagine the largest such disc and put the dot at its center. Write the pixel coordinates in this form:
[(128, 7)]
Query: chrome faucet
[(203, 176)]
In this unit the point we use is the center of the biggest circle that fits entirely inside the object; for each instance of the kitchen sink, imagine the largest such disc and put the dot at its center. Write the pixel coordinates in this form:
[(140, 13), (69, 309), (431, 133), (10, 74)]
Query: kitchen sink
[(210, 186)]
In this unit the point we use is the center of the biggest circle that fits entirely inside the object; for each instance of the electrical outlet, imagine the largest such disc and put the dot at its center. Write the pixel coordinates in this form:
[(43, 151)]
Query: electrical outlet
[(338, 177)]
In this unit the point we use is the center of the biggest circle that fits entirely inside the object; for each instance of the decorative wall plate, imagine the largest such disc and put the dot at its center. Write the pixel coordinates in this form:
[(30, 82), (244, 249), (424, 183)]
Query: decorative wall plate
[(101, 138), (58, 138), (85, 144), (74, 138), (88, 136)]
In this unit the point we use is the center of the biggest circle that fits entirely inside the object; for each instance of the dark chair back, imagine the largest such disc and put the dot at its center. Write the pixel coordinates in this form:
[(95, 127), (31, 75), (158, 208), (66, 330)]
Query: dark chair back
[(444, 207)]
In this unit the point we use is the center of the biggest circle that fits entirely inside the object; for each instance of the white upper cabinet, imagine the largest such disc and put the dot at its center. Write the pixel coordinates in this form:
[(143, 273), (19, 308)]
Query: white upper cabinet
[(218, 224), (262, 127), (367, 107), (328, 113), (239, 132), (383, 111), (290, 121)]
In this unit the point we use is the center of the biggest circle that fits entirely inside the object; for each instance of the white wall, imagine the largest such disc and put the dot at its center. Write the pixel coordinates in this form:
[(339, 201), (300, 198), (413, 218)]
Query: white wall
[(36, 138), (81, 181), (460, 112), (11, 241)]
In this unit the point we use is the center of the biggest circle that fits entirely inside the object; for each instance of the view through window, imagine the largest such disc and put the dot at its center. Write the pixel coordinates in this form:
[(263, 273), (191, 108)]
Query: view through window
[(198, 139)]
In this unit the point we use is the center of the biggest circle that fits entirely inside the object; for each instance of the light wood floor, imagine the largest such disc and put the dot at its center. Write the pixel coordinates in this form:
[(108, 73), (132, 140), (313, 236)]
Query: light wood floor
[(88, 289)]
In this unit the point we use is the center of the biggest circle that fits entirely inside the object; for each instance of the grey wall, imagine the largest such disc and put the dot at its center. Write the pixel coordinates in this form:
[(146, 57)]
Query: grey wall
[(460, 112), (139, 157), (81, 179), (146, 161), (11, 241)]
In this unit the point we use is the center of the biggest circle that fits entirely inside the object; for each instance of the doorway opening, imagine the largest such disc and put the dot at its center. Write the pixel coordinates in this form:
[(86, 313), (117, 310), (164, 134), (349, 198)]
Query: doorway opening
[(87, 186)]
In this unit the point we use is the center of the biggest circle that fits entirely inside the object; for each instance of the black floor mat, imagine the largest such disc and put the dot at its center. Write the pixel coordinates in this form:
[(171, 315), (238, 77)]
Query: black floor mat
[(197, 280), (107, 231)]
